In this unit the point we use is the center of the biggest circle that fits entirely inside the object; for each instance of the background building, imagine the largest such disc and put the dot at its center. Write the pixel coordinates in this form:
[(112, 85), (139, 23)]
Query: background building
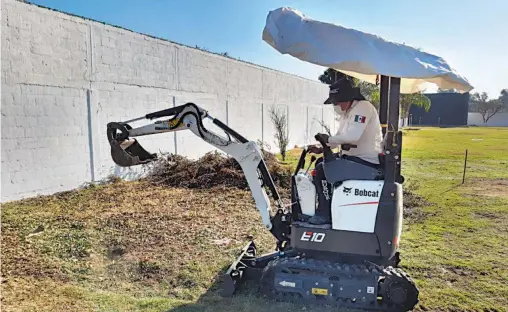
[(447, 109)]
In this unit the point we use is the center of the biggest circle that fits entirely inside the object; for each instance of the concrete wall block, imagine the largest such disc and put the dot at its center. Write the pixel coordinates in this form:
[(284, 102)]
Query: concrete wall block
[(45, 100), (13, 110), (246, 118), (244, 81), (130, 62), (9, 89), (19, 155), (269, 79), (297, 124), (201, 72), (12, 167), (32, 55), (330, 118), (7, 187), (8, 144), (8, 121), (28, 143), (36, 132), (283, 89), (7, 98), (314, 117), (12, 132)]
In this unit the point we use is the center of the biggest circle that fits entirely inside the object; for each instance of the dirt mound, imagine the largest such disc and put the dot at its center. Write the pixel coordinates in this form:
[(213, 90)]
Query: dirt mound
[(213, 169)]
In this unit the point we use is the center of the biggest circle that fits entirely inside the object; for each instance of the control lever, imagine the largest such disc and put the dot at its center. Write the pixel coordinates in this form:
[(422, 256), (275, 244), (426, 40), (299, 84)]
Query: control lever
[(312, 160), (347, 147), (327, 151)]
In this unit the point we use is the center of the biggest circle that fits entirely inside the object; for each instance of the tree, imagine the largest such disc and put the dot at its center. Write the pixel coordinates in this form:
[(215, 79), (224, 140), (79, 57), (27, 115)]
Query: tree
[(280, 122), (504, 97), (371, 92), (325, 126), (331, 75), (417, 99), (480, 103)]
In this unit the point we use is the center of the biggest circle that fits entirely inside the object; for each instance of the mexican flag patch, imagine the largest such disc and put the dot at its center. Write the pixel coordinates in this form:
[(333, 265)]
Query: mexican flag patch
[(360, 119)]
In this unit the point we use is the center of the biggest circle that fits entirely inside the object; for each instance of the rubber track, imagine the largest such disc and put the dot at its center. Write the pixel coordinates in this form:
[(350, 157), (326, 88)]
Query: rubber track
[(330, 269)]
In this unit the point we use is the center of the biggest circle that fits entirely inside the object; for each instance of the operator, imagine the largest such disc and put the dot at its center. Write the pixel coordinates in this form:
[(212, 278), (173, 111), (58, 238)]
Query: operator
[(358, 125)]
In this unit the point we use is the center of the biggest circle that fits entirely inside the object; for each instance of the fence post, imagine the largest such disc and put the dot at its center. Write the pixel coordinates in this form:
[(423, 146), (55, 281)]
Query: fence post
[(465, 165)]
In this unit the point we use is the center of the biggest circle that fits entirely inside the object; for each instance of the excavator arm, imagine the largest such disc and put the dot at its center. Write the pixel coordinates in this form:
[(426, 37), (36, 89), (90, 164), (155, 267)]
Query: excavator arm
[(126, 151)]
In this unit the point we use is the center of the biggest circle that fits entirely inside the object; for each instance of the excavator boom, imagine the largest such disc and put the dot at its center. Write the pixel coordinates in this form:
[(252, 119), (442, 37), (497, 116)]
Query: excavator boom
[(126, 151)]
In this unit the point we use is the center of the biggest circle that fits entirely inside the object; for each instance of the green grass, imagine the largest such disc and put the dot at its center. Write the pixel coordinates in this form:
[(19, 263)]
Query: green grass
[(129, 247), (458, 254)]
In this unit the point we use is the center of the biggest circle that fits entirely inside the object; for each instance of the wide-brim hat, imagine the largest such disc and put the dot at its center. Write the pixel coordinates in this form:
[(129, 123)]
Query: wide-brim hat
[(342, 90)]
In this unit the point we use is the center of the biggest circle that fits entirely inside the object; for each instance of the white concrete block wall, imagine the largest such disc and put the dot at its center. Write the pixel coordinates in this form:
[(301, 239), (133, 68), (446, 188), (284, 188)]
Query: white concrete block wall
[(248, 118), (64, 78), (298, 124), (314, 116), (42, 47), (123, 57)]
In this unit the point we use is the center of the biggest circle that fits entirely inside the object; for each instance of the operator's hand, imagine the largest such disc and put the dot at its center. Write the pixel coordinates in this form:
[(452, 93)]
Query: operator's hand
[(315, 149), (323, 137)]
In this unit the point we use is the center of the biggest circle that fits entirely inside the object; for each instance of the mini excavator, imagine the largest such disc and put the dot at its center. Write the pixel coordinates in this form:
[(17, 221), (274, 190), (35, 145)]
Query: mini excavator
[(354, 261)]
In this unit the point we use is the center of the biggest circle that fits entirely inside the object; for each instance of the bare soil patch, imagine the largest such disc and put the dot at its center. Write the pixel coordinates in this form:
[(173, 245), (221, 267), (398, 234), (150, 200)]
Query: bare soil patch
[(487, 187)]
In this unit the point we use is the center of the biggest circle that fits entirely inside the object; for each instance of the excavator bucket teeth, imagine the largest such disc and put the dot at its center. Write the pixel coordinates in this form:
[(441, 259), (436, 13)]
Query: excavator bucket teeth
[(129, 153)]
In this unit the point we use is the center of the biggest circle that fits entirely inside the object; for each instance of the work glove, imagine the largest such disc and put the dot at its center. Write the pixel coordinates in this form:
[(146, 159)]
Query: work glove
[(315, 149), (323, 137)]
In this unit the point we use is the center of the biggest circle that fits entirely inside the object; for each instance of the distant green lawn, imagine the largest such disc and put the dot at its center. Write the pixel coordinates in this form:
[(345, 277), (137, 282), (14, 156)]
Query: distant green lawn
[(456, 250)]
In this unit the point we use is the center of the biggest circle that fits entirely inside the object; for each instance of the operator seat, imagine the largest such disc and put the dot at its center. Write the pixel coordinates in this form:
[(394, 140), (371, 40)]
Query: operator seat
[(338, 170)]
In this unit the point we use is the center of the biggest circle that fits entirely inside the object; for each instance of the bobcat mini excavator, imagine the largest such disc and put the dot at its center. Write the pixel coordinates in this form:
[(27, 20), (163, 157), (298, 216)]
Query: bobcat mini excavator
[(352, 262)]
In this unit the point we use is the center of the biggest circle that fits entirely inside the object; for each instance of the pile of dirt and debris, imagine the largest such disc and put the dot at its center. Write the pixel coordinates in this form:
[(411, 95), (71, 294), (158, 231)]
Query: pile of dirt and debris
[(213, 169)]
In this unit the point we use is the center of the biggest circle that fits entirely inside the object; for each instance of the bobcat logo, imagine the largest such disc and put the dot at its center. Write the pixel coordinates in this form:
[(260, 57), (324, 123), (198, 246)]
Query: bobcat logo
[(324, 183), (347, 190)]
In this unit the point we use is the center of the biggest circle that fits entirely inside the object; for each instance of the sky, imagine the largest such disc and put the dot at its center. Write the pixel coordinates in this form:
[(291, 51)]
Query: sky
[(471, 35)]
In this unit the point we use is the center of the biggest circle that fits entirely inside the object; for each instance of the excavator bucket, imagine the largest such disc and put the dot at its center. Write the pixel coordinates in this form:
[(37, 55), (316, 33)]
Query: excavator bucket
[(125, 151), (238, 271), (129, 153)]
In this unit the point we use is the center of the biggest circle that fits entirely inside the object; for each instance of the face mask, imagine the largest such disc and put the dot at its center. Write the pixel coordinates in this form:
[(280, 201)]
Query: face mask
[(339, 110)]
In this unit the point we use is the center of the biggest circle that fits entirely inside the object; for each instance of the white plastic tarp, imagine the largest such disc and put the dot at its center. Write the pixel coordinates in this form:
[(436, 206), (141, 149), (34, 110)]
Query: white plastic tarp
[(356, 53)]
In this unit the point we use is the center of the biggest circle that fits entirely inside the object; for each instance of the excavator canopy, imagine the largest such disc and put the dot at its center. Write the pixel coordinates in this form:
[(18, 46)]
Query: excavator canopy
[(357, 54)]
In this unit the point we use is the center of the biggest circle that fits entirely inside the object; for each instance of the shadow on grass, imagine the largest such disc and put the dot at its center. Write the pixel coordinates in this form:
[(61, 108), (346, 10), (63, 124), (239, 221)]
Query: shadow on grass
[(451, 188), (247, 298)]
